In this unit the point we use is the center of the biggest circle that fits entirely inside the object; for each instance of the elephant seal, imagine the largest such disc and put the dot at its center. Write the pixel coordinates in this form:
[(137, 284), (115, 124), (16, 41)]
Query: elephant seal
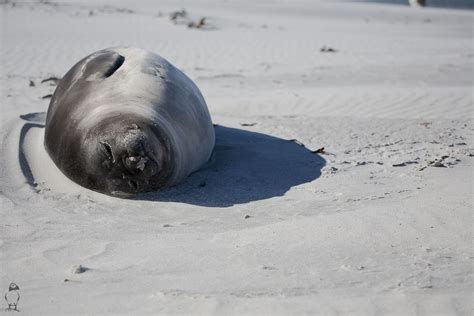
[(124, 121)]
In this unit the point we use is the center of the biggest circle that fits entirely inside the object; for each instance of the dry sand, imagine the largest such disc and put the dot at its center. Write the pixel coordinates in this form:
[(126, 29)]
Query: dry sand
[(379, 223)]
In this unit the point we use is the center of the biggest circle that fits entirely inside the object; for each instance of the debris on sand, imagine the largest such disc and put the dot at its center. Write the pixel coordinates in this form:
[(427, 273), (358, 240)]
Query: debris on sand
[(78, 269), (176, 15), (319, 151), (330, 170), (326, 49), (426, 124), (297, 142), (443, 162), (198, 25), (405, 163), (32, 83), (438, 164), (182, 17), (48, 96), (402, 164), (53, 80)]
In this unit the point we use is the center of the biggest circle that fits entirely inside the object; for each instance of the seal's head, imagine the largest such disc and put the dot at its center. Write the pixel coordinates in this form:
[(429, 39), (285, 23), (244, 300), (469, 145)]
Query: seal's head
[(127, 156)]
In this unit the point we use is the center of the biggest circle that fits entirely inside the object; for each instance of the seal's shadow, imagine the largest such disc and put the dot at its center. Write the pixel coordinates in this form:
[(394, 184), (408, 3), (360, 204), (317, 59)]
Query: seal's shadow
[(246, 166)]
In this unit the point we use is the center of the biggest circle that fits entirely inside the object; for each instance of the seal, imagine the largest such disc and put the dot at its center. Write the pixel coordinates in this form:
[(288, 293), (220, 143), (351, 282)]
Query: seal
[(124, 121)]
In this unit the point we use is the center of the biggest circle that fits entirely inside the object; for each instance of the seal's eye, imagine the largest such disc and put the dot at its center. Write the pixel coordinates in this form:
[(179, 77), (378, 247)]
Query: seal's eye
[(107, 150)]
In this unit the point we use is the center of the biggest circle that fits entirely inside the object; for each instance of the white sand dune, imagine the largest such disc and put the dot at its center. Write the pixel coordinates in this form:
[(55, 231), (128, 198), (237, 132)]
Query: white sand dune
[(368, 227)]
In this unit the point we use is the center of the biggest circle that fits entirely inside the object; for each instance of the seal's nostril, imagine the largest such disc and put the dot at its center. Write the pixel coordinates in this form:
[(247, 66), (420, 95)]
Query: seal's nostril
[(131, 162), (136, 163), (141, 163)]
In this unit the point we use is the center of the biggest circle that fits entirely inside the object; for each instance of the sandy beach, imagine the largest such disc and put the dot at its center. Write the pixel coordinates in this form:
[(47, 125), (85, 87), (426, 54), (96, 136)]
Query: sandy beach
[(341, 180)]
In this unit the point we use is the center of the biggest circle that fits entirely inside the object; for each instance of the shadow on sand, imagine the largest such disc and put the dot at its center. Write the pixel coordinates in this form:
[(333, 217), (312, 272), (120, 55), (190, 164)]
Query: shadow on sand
[(246, 166), (34, 120)]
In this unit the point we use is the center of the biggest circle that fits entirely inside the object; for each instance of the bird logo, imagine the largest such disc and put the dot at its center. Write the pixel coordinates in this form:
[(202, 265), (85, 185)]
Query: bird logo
[(12, 297)]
